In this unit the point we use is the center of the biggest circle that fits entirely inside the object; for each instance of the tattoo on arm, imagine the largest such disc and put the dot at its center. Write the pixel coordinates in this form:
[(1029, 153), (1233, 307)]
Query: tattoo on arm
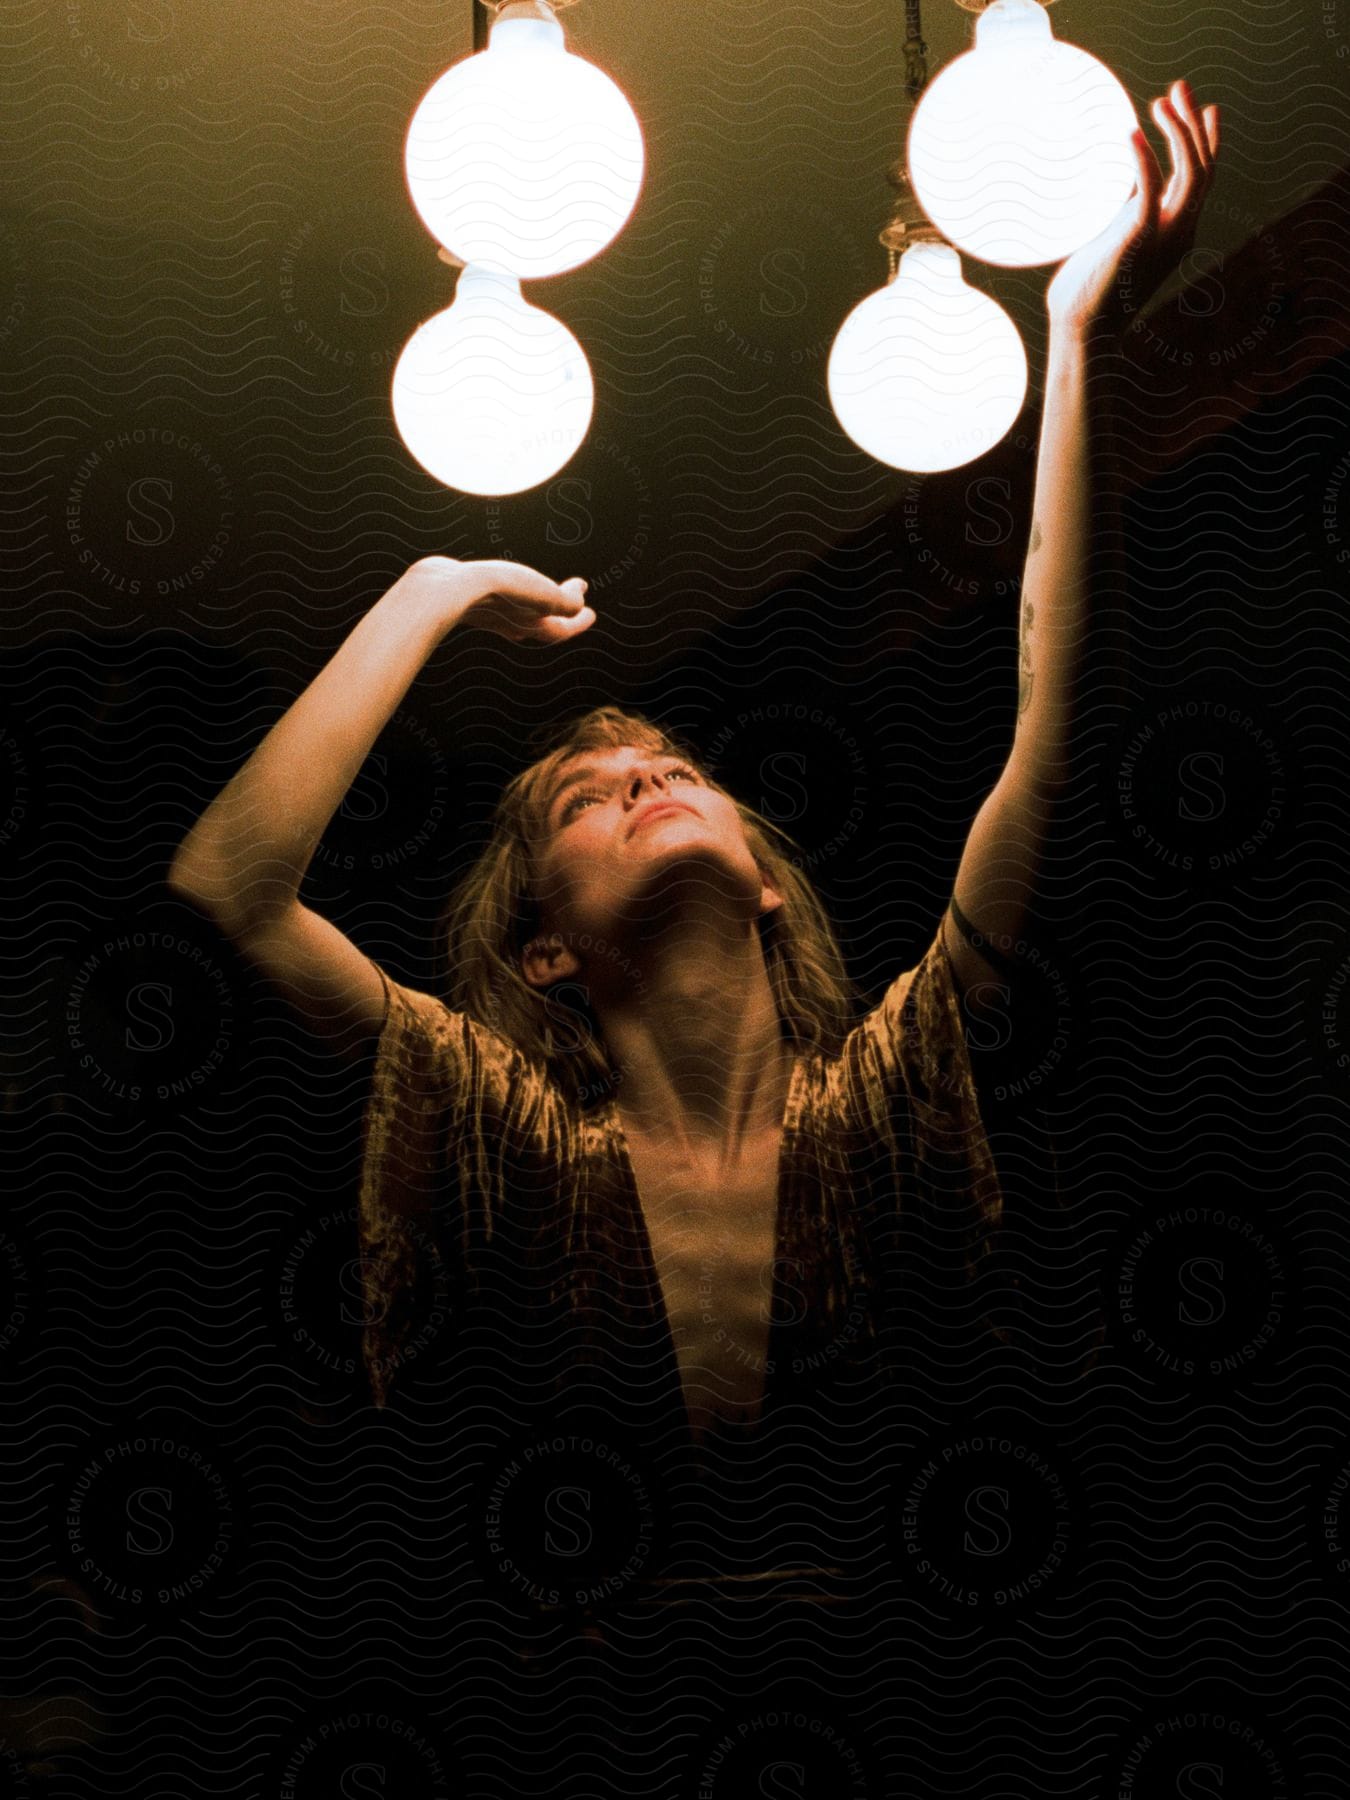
[(1025, 673)]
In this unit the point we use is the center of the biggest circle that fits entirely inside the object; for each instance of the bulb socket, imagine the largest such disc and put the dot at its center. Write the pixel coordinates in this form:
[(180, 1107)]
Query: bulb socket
[(525, 9), (899, 235)]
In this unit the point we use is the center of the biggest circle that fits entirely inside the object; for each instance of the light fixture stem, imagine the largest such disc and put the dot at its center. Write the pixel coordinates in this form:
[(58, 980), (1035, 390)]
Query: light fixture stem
[(482, 23)]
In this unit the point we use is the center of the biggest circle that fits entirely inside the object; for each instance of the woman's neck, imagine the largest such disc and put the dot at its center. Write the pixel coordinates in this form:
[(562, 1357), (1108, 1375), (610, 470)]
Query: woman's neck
[(697, 1043)]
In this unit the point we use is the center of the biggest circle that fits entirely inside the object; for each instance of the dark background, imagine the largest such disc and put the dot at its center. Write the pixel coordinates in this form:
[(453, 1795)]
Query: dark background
[(209, 267)]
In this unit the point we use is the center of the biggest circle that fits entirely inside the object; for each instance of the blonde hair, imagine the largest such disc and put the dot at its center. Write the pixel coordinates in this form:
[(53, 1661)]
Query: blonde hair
[(493, 914)]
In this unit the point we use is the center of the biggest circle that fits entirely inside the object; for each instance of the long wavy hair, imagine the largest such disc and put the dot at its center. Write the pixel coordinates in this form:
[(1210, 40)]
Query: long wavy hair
[(493, 913)]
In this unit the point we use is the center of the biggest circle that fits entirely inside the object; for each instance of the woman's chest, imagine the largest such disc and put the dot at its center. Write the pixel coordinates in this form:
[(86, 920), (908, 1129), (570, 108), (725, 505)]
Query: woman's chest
[(713, 1235), (744, 1287)]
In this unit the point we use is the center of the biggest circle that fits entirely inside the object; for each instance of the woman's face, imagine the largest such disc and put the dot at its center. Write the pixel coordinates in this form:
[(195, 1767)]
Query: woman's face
[(625, 827)]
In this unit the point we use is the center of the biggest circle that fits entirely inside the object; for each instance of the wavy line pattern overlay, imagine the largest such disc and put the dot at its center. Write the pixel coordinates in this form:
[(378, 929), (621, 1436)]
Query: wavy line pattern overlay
[(1112, 1560)]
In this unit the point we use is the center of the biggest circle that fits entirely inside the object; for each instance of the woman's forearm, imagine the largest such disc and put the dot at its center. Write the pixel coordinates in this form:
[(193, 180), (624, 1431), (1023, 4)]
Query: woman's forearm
[(244, 860), (1071, 625)]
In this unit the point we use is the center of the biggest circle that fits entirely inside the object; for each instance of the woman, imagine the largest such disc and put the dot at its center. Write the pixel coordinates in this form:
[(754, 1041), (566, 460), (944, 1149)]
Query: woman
[(643, 1124)]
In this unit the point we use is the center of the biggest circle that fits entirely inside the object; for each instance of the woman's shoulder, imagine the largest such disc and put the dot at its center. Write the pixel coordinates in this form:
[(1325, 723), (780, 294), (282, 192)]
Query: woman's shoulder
[(902, 1039), (448, 1051)]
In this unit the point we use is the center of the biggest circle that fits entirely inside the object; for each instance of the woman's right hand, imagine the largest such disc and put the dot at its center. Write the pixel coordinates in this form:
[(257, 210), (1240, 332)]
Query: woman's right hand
[(508, 598)]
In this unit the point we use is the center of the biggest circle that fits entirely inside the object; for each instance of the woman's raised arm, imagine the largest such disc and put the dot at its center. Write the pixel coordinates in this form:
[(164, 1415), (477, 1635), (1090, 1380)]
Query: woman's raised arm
[(244, 860)]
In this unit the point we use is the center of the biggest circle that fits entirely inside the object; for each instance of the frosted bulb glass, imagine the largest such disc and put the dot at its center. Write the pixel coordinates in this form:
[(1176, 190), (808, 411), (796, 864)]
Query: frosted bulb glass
[(524, 158), (927, 374), (492, 396), (1019, 151)]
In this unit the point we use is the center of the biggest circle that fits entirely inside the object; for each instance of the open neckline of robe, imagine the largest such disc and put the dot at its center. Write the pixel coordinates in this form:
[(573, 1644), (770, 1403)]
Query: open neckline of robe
[(456, 1115)]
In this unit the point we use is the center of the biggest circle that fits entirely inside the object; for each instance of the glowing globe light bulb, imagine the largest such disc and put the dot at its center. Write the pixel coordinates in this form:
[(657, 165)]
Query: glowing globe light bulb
[(927, 374), (492, 396), (524, 158), (1019, 151)]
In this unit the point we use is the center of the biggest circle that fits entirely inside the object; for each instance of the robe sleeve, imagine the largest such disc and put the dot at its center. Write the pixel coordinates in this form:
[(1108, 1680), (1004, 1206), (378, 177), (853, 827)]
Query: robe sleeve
[(437, 1075), (993, 1252), (909, 1070)]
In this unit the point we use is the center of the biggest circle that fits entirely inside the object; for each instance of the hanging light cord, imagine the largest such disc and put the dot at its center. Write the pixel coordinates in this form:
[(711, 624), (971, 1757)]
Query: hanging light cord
[(916, 52), (907, 224)]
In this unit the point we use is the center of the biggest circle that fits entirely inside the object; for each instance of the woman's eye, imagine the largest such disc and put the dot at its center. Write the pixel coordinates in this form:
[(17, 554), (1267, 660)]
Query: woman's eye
[(681, 769), (576, 800)]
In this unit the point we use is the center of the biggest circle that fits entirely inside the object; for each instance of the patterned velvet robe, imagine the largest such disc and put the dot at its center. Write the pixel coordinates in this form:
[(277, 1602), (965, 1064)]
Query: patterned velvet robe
[(501, 1225)]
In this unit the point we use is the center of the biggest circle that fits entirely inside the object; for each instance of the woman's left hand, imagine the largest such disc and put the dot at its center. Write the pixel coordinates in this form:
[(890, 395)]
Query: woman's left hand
[(1098, 289)]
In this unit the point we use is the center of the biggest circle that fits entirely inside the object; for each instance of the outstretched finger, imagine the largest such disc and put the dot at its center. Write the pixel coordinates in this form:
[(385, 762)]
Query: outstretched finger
[(1183, 102), (1149, 181), (1211, 118), (1182, 187)]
